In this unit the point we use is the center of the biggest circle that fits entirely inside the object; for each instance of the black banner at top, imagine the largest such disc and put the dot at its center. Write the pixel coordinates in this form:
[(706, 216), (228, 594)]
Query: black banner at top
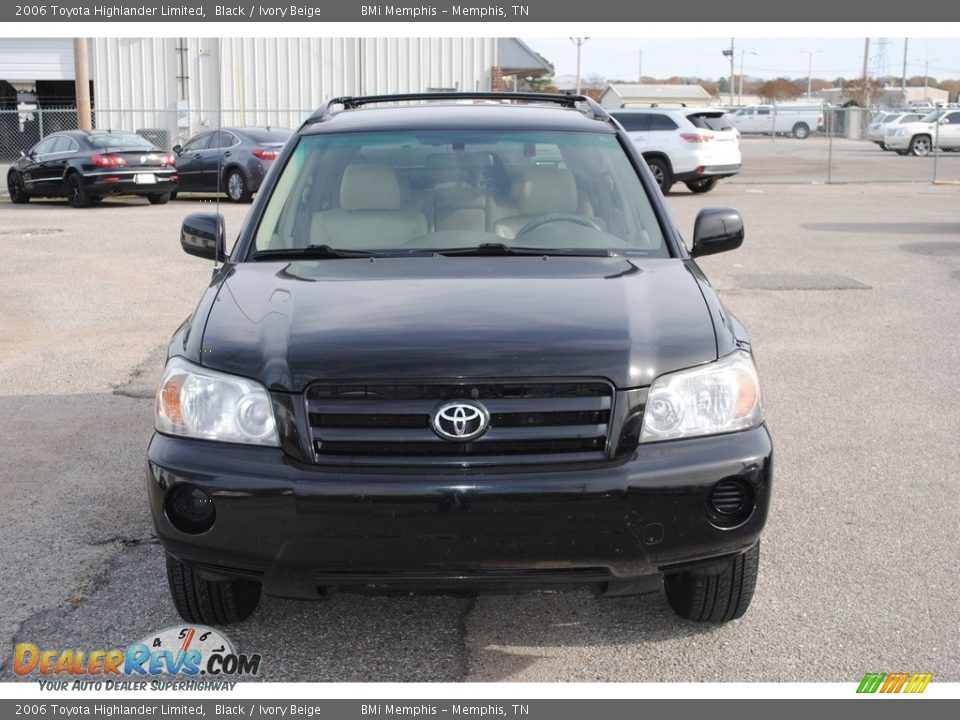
[(515, 11)]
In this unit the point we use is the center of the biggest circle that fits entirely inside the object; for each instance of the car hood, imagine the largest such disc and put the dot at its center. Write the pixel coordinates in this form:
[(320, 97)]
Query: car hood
[(287, 324)]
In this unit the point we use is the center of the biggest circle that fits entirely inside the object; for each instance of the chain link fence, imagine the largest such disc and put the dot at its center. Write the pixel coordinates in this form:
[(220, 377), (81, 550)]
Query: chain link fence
[(21, 130), (840, 152), (845, 149)]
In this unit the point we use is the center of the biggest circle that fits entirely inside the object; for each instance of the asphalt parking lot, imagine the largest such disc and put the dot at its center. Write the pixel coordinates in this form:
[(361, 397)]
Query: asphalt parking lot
[(850, 292)]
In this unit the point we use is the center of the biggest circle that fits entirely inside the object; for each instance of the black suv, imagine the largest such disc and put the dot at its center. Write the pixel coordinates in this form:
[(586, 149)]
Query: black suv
[(459, 343)]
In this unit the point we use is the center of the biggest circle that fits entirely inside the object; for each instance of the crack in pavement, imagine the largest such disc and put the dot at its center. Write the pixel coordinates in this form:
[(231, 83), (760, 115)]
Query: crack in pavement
[(126, 541)]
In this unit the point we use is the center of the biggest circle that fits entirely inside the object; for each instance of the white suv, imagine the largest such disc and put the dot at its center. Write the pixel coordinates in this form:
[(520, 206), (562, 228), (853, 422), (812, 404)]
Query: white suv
[(695, 146), (921, 137)]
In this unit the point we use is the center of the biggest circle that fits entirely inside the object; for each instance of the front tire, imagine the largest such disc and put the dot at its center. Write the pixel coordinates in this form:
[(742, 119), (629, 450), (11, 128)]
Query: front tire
[(210, 602), (158, 198), (77, 194), (237, 187), (920, 145), (702, 186), (661, 173), (16, 188), (801, 131), (717, 593)]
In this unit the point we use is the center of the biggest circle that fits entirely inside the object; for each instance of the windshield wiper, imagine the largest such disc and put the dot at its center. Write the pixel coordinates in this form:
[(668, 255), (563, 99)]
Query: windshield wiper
[(495, 249), (314, 252)]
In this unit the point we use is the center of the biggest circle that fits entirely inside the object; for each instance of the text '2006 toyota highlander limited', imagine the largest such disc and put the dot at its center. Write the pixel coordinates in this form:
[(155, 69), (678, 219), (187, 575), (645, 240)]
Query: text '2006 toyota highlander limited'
[(459, 343)]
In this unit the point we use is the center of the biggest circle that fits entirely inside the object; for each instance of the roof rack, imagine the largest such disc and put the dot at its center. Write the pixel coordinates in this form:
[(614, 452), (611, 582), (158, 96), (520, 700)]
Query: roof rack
[(352, 103)]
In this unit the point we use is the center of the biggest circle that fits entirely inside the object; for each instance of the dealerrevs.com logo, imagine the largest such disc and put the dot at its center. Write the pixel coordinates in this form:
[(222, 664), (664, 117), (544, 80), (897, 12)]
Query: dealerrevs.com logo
[(192, 651)]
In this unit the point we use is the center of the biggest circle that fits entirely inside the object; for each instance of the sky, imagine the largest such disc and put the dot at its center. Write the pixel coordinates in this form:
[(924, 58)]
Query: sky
[(619, 58)]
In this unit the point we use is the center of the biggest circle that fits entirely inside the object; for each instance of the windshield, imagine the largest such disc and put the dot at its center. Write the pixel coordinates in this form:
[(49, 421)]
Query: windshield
[(403, 192), (116, 140), (932, 116)]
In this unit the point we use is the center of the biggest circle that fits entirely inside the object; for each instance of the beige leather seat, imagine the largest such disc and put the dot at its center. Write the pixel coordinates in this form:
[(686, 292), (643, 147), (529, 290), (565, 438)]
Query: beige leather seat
[(541, 190), (370, 215)]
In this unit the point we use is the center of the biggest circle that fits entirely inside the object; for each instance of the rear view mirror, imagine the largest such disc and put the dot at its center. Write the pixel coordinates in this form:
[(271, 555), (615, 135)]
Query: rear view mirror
[(203, 235), (717, 230)]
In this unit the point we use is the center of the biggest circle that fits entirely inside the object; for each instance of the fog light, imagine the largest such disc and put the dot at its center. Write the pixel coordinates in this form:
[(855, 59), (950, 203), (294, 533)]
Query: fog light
[(190, 509), (730, 502)]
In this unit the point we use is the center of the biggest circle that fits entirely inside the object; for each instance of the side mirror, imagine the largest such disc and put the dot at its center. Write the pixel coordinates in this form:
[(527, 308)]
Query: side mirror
[(203, 235), (177, 149), (717, 230), (23, 154)]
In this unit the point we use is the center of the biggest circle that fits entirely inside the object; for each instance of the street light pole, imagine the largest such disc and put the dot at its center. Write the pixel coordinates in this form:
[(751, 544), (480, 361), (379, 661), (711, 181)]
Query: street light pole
[(810, 54), (730, 54), (579, 41)]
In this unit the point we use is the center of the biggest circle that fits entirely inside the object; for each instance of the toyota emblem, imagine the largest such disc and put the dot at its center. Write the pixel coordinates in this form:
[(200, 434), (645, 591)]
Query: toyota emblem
[(460, 421)]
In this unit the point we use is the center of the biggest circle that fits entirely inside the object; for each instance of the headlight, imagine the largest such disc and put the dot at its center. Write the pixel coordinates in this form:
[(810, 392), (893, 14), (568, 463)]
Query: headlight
[(199, 403), (721, 397)]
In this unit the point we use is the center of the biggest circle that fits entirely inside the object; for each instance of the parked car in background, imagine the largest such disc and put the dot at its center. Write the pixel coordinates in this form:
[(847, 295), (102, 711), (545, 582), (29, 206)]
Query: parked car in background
[(230, 160), (940, 128), (796, 120), (877, 130), (85, 167), (695, 146)]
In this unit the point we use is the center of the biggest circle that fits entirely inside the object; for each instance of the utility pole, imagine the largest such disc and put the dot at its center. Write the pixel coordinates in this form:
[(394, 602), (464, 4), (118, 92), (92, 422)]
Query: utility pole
[(903, 78), (743, 51), (866, 78), (730, 53), (640, 70), (810, 54), (81, 66), (579, 41)]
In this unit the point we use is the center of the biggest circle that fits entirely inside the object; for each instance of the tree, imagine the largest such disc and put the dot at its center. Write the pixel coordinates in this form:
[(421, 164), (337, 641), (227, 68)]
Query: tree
[(780, 89), (861, 92), (918, 81), (542, 84), (953, 88)]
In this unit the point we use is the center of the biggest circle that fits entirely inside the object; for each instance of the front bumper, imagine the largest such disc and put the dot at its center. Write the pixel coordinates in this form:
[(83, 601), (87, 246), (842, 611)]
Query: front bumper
[(299, 529), (897, 142)]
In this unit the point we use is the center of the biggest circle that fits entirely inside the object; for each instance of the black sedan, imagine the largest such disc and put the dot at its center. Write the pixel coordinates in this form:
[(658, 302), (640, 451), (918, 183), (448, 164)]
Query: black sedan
[(85, 167), (231, 160)]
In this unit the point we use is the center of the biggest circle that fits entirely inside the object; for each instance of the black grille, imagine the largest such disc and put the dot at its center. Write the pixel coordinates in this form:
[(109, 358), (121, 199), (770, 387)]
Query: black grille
[(530, 423)]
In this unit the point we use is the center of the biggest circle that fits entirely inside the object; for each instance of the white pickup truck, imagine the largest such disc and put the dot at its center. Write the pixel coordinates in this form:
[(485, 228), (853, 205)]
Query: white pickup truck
[(796, 120)]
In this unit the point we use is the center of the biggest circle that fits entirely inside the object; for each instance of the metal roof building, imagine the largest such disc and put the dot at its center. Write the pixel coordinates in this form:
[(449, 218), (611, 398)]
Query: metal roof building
[(178, 86), (617, 95)]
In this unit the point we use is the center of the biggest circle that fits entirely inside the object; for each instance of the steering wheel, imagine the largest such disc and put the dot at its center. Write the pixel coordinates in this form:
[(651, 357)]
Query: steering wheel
[(557, 217)]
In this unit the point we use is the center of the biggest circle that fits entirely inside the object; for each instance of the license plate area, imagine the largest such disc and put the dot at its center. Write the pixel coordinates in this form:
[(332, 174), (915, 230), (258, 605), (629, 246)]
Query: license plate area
[(145, 179)]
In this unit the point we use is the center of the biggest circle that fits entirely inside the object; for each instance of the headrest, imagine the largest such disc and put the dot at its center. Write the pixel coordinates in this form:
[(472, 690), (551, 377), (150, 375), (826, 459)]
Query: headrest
[(369, 187), (545, 189)]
